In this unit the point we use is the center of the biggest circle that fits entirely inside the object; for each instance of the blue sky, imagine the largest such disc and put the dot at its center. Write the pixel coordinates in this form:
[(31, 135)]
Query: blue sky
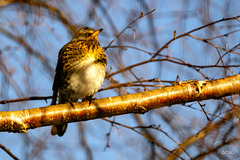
[(47, 35)]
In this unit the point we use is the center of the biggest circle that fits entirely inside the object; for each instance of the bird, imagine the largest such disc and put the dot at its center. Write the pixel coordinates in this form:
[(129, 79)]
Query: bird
[(80, 71)]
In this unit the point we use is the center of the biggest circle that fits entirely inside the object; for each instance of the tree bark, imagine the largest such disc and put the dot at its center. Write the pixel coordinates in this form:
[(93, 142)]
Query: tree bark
[(179, 93)]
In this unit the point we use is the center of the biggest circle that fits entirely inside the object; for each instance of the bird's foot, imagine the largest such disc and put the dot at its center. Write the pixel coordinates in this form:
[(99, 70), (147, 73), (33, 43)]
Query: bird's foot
[(71, 102), (88, 98)]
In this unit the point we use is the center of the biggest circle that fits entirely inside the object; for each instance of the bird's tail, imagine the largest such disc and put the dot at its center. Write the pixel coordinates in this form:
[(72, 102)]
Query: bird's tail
[(59, 130)]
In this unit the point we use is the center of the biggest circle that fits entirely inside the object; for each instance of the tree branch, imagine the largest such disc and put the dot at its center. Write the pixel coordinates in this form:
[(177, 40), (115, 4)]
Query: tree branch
[(181, 92), (8, 152)]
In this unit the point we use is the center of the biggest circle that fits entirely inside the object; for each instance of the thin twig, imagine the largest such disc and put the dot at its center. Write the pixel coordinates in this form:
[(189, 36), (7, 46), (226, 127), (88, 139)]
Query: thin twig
[(187, 33), (129, 26), (8, 152), (169, 60), (26, 99), (147, 137)]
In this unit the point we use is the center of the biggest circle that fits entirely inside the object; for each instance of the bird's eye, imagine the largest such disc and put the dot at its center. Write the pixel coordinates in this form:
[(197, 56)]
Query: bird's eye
[(87, 34)]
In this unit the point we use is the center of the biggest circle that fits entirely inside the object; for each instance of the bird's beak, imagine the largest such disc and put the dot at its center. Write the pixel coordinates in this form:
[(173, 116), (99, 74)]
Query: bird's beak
[(96, 32)]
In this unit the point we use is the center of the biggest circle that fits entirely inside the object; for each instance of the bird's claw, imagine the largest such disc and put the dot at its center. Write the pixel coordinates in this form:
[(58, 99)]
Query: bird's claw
[(88, 98)]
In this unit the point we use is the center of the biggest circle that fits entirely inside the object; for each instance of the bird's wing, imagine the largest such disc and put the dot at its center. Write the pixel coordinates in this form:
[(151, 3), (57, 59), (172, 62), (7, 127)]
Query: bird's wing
[(57, 77), (71, 51)]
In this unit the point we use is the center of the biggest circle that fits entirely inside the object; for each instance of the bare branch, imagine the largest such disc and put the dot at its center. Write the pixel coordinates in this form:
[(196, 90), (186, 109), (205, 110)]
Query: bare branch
[(181, 92), (8, 152), (187, 33), (129, 26)]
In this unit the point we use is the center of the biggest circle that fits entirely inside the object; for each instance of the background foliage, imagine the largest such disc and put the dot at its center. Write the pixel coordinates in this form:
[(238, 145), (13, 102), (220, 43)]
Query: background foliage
[(32, 32)]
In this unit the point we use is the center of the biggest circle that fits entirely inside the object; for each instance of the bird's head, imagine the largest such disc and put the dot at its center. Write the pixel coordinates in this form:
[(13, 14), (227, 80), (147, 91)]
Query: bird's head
[(86, 33)]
